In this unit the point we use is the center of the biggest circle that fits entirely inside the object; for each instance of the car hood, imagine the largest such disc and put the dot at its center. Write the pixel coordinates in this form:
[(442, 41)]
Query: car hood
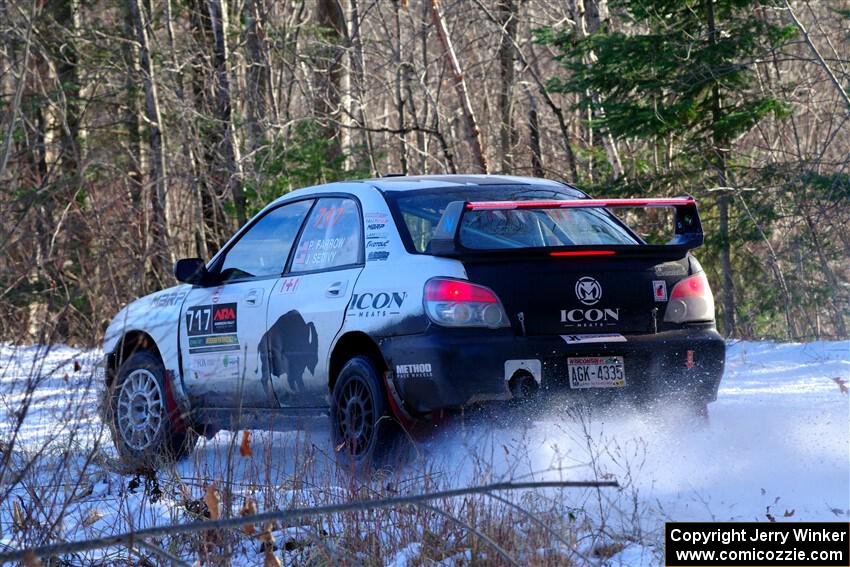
[(145, 314)]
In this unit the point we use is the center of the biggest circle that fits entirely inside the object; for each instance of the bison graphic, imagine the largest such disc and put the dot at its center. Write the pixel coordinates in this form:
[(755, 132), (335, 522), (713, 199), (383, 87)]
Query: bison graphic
[(289, 347)]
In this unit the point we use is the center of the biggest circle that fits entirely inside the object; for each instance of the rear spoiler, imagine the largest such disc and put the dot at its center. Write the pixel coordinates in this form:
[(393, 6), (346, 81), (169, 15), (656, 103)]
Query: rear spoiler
[(688, 228)]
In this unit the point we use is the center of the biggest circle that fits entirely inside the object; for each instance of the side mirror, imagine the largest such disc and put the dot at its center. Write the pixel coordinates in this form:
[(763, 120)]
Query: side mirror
[(191, 271)]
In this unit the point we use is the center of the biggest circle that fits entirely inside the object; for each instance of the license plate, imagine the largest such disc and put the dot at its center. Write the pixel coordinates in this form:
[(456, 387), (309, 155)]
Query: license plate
[(596, 372)]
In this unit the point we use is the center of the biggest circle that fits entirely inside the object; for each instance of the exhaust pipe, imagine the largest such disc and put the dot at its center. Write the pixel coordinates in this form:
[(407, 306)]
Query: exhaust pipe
[(523, 386)]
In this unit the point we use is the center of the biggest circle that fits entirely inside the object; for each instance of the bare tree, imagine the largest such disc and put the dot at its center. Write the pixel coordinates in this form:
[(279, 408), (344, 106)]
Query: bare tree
[(473, 133), (156, 224)]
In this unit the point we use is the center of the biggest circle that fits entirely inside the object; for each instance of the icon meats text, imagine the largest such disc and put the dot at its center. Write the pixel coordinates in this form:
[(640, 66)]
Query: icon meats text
[(376, 303)]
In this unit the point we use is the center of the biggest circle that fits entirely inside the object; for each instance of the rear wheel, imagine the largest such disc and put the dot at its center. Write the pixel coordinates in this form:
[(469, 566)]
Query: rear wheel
[(141, 427), (365, 434)]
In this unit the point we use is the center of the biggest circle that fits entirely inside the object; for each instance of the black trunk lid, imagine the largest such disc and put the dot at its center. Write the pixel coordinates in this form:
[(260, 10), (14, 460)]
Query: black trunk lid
[(545, 296)]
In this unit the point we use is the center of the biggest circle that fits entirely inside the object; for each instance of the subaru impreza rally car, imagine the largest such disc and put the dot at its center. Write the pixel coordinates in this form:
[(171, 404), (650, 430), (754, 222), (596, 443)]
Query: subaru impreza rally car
[(384, 303)]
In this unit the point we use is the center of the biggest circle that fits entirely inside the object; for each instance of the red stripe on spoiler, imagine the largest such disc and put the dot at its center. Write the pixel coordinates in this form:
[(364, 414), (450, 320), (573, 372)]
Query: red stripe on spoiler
[(580, 203), (583, 253)]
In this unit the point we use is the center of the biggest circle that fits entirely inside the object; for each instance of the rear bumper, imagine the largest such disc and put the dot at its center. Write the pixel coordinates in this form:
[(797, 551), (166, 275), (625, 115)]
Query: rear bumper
[(452, 368)]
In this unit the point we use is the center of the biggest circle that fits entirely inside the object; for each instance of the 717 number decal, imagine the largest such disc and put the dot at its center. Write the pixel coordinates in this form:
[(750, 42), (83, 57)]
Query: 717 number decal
[(211, 319)]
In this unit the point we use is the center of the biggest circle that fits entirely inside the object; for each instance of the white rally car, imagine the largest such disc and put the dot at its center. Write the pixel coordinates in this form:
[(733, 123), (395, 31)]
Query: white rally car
[(383, 303)]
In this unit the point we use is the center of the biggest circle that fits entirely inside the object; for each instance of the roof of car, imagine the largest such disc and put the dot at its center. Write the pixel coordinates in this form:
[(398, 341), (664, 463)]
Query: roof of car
[(411, 182)]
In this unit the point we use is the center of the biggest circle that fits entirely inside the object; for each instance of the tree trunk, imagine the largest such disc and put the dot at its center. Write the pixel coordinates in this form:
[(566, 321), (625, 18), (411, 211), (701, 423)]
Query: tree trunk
[(534, 134), (589, 16), (720, 149), (136, 158), (473, 133), (530, 64), (161, 261), (257, 74), (231, 170), (507, 10), (330, 73), (838, 314), (401, 72), (358, 86), (206, 133)]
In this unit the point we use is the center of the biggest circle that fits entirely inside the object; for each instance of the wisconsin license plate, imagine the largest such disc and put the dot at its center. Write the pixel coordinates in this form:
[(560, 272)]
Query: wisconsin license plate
[(596, 372)]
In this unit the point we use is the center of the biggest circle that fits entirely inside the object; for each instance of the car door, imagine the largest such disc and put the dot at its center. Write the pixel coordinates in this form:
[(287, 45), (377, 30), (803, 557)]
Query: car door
[(307, 307), (222, 325)]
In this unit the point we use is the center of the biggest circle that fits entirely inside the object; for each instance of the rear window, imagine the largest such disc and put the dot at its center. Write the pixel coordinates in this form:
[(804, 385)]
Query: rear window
[(510, 229)]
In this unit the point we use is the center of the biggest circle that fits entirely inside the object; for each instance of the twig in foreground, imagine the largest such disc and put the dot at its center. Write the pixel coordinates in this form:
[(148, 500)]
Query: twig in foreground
[(129, 538)]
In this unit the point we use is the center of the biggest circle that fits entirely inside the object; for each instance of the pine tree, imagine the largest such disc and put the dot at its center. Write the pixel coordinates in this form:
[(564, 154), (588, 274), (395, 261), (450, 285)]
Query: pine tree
[(683, 71)]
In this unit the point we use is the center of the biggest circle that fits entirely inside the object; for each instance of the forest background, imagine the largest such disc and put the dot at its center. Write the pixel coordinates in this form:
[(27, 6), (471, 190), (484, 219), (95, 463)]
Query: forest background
[(136, 132)]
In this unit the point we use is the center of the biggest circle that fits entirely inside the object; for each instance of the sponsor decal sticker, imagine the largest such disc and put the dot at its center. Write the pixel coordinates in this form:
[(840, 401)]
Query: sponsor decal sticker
[(328, 216), (215, 366), (377, 243), (289, 285), (318, 252), (376, 226), (213, 343), (659, 290), (167, 299), (376, 303), (378, 255), (670, 269), (588, 290), (590, 317), (422, 370), (211, 319), (376, 218), (224, 318)]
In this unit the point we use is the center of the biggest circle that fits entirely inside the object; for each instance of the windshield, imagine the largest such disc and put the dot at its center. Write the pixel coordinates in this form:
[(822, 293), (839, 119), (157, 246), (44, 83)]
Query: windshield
[(507, 229)]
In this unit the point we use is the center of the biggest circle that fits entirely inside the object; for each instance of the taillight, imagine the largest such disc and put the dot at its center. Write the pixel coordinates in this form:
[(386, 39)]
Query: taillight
[(458, 303), (690, 300)]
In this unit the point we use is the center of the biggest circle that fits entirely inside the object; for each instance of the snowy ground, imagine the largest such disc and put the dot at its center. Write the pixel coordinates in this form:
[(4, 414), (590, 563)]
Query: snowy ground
[(777, 446)]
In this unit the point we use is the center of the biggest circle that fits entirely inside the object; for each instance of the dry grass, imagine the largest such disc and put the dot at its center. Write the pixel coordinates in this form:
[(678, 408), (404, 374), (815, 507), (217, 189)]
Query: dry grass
[(68, 486)]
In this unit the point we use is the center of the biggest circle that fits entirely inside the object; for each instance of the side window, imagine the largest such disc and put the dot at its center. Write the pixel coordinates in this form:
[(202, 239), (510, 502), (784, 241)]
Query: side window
[(262, 251), (331, 237), (421, 229)]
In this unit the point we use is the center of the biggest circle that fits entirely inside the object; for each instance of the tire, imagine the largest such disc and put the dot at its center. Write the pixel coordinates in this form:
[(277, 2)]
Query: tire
[(141, 428), (365, 435)]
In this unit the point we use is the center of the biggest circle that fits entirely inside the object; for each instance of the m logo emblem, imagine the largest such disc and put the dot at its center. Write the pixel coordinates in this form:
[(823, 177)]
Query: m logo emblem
[(588, 290)]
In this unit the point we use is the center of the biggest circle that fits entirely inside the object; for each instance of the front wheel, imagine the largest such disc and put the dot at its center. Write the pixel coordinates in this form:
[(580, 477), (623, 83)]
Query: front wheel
[(365, 434), (141, 427)]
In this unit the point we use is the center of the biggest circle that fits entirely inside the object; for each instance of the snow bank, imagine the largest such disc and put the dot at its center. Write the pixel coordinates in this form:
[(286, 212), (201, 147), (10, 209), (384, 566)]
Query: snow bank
[(777, 444)]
